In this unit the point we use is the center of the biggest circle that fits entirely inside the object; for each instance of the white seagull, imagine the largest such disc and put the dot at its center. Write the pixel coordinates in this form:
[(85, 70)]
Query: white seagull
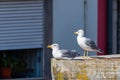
[(86, 43), (62, 53)]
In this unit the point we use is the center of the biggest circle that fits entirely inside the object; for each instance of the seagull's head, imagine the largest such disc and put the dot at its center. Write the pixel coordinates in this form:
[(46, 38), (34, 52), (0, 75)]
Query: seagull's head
[(80, 32), (53, 46)]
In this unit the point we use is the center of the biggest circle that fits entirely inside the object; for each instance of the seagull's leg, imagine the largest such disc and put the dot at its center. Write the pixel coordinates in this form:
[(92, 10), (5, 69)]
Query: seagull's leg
[(86, 53)]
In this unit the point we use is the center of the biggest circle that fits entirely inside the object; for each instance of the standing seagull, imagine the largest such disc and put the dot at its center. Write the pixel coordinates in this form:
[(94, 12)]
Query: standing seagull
[(86, 43), (62, 53)]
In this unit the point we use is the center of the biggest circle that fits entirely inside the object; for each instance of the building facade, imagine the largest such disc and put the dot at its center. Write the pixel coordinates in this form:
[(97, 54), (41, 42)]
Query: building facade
[(28, 26)]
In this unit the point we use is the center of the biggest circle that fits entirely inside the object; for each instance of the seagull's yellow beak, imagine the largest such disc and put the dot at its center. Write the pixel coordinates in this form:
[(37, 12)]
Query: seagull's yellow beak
[(49, 46), (75, 33)]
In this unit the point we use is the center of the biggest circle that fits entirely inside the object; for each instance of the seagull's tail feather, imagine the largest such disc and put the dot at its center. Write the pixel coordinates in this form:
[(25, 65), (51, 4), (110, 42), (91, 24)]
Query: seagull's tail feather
[(100, 51)]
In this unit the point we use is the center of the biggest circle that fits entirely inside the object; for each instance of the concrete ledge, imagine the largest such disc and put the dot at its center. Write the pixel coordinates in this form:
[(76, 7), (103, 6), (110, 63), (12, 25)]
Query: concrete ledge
[(86, 69)]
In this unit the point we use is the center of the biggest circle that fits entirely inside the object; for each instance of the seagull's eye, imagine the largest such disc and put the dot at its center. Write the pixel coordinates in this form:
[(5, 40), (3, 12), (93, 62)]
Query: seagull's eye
[(80, 31)]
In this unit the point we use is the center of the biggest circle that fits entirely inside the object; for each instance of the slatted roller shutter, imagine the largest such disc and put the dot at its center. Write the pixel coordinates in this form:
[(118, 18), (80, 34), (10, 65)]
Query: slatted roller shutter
[(21, 24)]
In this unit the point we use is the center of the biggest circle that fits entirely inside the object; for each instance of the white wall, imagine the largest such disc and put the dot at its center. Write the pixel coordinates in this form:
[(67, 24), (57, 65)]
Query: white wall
[(68, 17)]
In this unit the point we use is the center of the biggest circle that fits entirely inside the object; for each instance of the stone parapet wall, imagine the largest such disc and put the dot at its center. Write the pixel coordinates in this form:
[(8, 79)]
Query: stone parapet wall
[(86, 69)]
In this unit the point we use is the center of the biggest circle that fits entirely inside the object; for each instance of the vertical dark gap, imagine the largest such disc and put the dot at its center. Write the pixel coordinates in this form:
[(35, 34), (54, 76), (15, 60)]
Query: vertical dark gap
[(118, 26), (47, 40), (109, 25)]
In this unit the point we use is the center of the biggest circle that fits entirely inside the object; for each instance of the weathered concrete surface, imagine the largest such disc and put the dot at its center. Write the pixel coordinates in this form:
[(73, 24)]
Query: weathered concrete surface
[(87, 69)]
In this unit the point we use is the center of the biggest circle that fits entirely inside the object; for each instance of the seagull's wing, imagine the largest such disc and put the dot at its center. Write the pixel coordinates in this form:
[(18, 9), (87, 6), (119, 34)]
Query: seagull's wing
[(91, 44), (65, 53), (74, 53), (68, 53)]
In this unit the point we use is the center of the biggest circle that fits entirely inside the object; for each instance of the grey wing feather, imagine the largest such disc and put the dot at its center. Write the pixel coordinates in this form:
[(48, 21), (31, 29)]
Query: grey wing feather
[(68, 53), (65, 53), (91, 44), (74, 53)]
